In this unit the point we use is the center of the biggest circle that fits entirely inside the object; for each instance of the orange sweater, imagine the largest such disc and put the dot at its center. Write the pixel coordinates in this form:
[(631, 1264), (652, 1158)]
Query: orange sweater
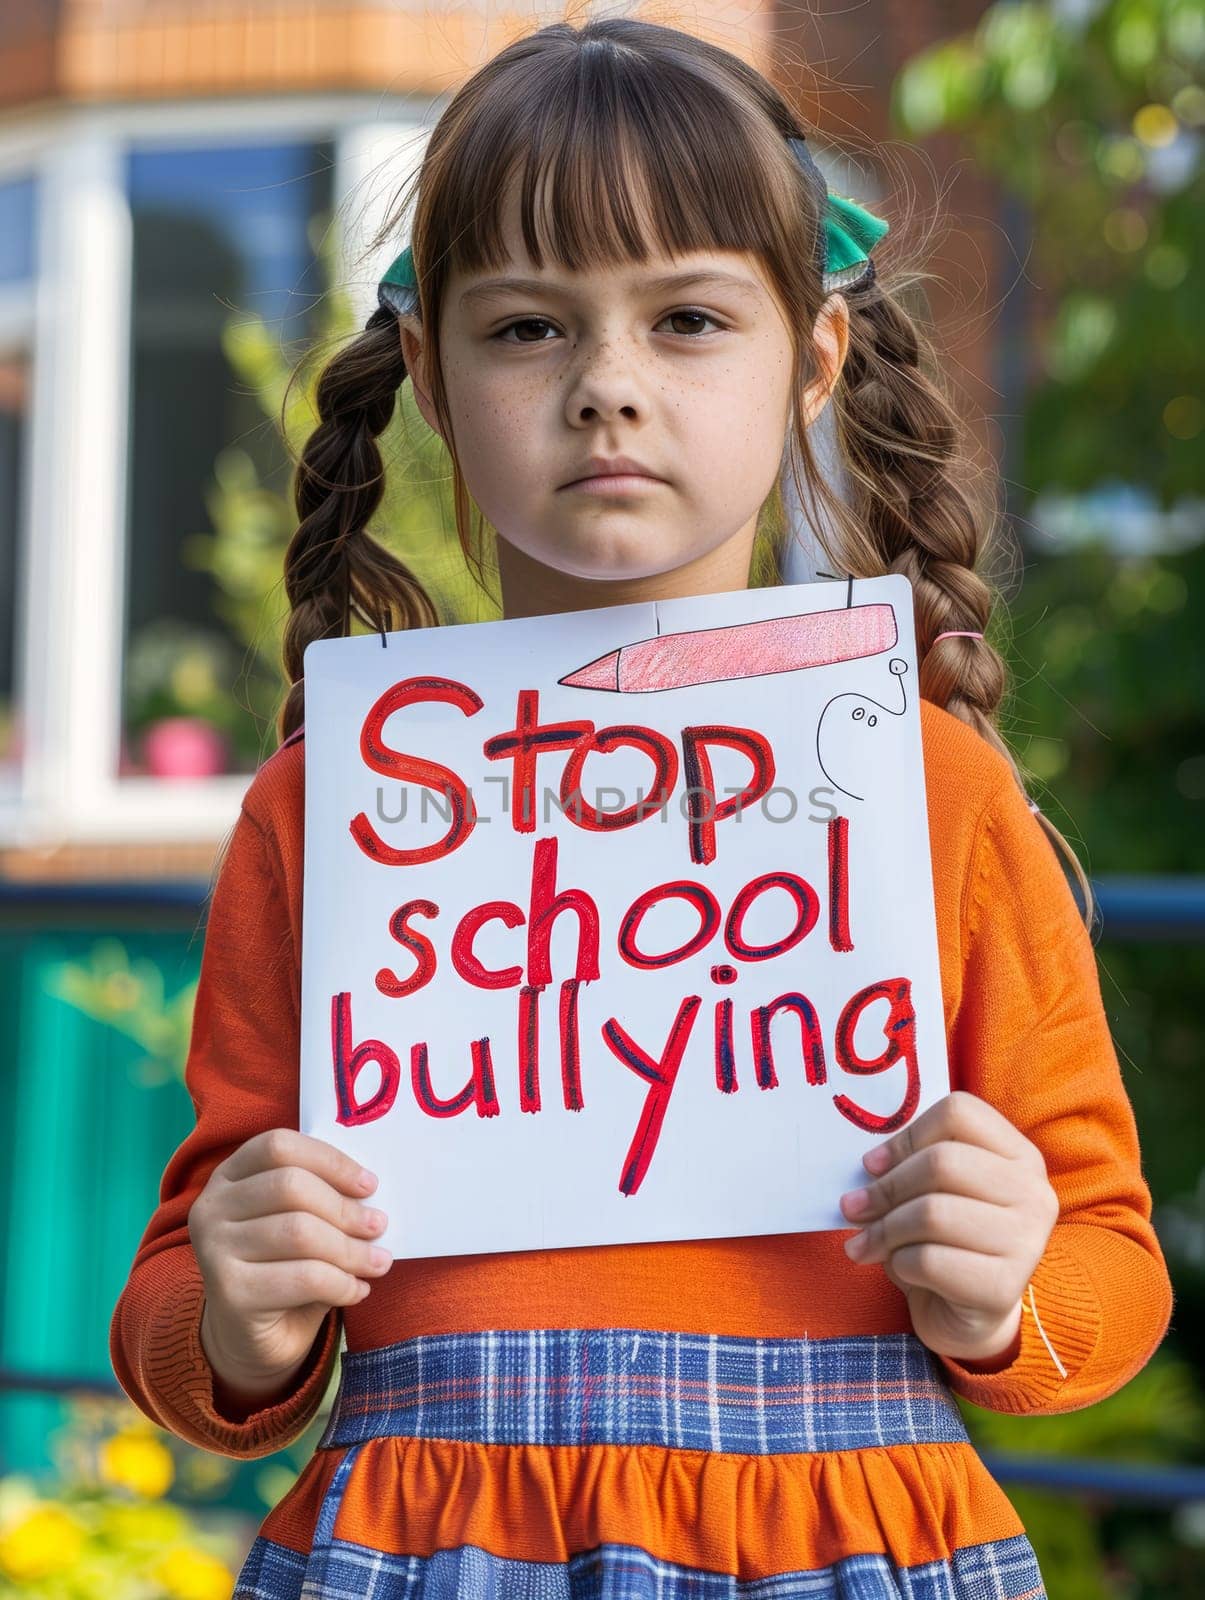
[(1026, 1030)]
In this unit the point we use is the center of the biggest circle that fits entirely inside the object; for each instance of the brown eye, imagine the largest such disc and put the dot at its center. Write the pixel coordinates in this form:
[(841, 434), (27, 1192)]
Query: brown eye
[(524, 322), (691, 316)]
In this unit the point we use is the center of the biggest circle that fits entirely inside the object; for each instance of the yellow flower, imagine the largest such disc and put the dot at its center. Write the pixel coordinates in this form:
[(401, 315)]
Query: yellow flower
[(145, 1524), (191, 1574), (45, 1541), (135, 1459)]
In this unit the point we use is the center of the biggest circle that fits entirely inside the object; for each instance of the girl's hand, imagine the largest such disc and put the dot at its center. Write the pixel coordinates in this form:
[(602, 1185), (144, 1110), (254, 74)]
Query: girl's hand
[(959, 1216), (281, 1236)]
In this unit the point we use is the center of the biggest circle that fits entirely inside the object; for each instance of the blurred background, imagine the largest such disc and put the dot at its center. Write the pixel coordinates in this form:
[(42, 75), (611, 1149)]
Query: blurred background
[(187, 188)]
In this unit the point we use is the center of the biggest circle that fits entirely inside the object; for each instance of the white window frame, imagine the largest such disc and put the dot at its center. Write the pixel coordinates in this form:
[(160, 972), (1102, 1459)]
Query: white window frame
[(76, 322)]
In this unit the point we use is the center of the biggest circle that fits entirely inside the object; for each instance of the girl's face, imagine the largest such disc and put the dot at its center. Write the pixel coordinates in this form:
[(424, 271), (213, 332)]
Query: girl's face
[(690, 377)]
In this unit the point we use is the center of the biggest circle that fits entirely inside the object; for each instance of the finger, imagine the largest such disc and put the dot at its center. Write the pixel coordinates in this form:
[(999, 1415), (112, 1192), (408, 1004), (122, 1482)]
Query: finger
[(960, 1277), (287, 1147), (960, 1116), (947, 1167), (261, 1288), (301, 1236), (949, 1219), (279, 1189)]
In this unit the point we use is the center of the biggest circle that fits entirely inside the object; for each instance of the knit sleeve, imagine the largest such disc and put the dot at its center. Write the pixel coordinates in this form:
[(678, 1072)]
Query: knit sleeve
[(1030, 1036), (242, 1075)]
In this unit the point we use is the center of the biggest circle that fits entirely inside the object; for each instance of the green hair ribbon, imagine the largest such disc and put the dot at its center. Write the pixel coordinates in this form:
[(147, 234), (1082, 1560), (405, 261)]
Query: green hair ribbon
[(851, 233)]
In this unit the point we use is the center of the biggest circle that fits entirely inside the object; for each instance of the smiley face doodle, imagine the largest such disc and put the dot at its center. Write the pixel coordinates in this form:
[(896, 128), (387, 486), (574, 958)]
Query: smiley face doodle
[(846, 745)]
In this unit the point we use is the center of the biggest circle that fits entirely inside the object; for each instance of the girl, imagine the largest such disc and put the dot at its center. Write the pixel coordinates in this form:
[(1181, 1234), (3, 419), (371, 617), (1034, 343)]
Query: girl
[(621, 248)]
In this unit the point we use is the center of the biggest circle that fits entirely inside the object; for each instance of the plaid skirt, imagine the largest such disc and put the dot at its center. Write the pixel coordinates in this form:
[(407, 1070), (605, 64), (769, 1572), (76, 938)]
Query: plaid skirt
[(633, 1464)]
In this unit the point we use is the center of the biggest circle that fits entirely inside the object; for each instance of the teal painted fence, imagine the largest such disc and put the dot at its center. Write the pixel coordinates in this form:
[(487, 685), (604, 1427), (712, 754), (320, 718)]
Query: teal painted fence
[(89, 1121)]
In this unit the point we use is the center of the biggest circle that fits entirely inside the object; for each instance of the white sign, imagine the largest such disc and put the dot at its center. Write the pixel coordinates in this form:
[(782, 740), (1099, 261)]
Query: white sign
[(618, 924)]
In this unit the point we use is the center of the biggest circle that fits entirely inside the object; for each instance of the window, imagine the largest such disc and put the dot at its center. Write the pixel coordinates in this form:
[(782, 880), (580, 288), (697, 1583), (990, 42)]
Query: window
[(18, 216), (221, 235), (18, 249)]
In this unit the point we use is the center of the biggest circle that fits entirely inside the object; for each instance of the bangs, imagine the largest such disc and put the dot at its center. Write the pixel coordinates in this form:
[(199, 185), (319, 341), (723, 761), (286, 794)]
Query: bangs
[(616, 159)]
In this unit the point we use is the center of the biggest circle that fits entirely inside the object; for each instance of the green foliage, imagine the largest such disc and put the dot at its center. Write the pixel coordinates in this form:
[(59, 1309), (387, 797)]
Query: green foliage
[(1091, 114), (1107, 711), (129, 997)]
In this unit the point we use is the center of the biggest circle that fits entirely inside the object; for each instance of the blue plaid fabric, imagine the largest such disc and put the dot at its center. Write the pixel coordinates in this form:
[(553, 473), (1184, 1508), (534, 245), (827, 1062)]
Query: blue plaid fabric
[(1004, 1567), (679, 1391), (683, 1391)]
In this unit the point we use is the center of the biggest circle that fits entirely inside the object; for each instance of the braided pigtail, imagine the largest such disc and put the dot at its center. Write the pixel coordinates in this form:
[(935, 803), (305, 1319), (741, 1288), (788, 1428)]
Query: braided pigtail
[(334, 568), (911, 467)]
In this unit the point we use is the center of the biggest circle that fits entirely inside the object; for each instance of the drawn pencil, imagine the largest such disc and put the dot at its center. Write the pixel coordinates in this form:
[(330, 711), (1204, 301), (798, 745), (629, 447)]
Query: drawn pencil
[(740, 650)]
